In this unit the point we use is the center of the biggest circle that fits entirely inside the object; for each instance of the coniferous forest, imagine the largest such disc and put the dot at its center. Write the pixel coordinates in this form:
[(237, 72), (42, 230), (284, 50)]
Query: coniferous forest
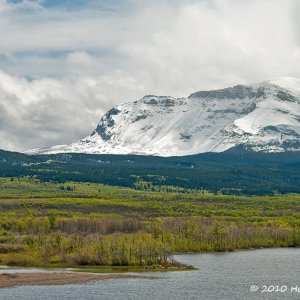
[(235, 172)]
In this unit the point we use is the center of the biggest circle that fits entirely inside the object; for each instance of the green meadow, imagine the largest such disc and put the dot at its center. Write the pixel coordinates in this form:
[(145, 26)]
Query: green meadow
[(90, 224)]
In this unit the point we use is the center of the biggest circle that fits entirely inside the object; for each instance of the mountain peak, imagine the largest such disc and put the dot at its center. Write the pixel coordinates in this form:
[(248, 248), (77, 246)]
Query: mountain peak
[(261, 117), (158, 100), (235, 92), (290, 83)]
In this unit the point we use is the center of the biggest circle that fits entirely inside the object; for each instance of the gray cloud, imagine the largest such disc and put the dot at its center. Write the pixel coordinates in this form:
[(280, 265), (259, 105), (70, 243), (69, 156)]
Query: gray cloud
[(63, 66), (50, 111)]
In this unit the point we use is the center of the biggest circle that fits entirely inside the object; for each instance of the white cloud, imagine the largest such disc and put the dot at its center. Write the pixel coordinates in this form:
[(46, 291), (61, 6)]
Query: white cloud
[(86, 60)]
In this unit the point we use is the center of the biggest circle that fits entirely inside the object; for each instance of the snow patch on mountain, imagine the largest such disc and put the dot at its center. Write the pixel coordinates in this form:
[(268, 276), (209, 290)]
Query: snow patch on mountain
[(261, 117)]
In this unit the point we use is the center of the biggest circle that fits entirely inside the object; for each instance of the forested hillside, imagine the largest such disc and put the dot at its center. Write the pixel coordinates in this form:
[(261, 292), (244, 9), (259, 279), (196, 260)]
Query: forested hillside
[(233, 172)]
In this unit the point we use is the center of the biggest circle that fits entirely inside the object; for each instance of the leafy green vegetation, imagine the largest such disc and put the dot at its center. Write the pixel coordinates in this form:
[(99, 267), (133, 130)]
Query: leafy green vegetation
[(72, 223)]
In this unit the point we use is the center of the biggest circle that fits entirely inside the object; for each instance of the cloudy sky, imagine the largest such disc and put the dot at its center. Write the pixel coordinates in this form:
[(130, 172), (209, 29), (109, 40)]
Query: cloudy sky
[(63, 63)]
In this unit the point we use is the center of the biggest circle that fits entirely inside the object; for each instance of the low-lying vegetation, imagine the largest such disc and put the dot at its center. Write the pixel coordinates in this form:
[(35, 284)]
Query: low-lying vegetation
[(43, 224)]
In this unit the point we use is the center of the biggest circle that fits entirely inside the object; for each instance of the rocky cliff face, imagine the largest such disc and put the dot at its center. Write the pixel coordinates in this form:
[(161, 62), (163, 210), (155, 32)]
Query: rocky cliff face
[(261, 117)]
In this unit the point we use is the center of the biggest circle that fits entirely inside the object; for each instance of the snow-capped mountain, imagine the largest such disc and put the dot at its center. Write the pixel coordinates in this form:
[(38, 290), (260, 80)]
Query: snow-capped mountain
[(261, 117)]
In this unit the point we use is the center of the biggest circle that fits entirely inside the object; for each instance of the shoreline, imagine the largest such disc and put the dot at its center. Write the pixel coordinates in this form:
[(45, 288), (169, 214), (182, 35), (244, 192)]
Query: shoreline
[(56, 278), (96, 269), (90, 273)]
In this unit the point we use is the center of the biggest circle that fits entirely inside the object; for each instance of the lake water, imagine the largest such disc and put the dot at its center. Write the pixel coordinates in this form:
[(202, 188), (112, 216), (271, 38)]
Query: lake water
[(219, 276)]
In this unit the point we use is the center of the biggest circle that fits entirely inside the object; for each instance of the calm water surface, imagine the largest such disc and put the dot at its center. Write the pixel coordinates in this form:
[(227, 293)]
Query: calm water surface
[(219, 276)]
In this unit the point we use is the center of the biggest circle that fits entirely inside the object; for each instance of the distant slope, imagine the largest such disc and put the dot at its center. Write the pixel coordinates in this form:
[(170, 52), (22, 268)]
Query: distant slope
[(235, 171), (261, 117)]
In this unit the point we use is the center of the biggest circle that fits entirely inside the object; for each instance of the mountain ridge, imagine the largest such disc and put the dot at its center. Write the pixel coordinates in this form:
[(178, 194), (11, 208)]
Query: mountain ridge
[(262, 117)]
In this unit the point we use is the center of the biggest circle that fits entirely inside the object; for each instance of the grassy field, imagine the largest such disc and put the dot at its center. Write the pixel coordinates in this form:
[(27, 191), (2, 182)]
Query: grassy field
[(76, 224)]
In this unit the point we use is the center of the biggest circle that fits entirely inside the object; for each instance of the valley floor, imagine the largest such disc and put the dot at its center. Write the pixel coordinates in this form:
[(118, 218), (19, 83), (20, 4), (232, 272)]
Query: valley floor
[(86, 224)]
